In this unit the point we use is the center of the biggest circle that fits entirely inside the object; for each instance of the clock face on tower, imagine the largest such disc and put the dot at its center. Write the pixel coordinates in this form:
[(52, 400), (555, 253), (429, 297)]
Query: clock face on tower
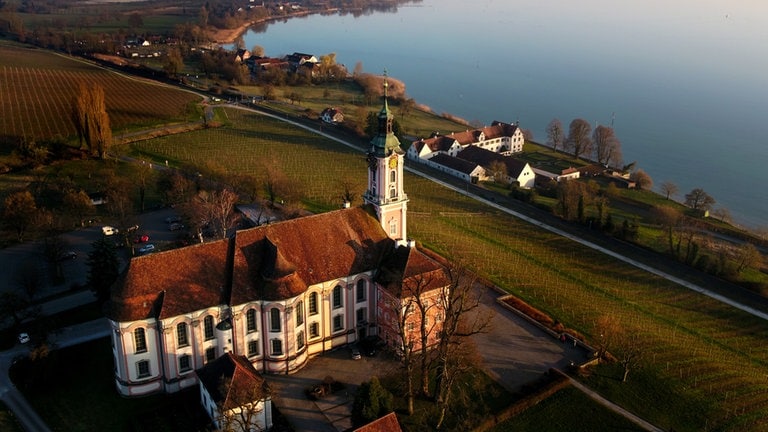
[(393, 162)]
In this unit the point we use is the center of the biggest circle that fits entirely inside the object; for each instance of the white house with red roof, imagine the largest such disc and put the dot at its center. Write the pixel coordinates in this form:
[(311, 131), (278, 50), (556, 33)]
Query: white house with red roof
[(499, 137)]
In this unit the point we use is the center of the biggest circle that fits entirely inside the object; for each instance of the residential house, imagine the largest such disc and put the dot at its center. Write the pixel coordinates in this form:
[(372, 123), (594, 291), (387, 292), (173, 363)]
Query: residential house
[(566, 174), (277, 294), (234, 395), (468, 171), (516, 171), (499, 137), (297, 60), (332, 116), (241, 55)]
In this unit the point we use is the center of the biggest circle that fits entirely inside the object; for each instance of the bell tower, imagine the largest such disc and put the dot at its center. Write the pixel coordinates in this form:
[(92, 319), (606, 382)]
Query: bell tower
[(385, 176)]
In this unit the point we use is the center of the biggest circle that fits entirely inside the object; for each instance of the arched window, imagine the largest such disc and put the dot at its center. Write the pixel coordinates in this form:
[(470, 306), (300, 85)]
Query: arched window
[(250, 320), (299, 313), (300, 340), (139, 340), (361, 290), (312, 303), (274, 319), (208, 327), (337, 302), (392, 176), (392, 191), (181, 334)]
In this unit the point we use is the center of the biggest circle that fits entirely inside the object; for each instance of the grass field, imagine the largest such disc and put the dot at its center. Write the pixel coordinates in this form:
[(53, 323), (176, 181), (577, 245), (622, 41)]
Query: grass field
[(347, 97), (567, 410), (38, 87), (84, 397), (710, 357)]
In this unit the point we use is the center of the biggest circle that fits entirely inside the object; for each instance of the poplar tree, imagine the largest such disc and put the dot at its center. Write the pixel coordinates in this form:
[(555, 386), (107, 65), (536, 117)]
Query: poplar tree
[(90, 118)]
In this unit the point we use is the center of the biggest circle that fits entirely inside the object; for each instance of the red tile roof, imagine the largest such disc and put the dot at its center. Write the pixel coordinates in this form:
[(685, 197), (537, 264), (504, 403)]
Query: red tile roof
[(409, 272), (171, 283), (279, 261), (271, 262), (388, 423), (232, 381), (497, 129)]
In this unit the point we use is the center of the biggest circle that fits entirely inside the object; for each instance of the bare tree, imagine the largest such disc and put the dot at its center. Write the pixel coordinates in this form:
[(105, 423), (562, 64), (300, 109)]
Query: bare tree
[(400, 312), (349, 189), (629, 353), (19, 210), (579, 141), (498, 170), (257, 51), (78, 205), (697, 199), (642, 179), (222, 206), (406, 106), (723, 214), (461, 302), (607, 146), (244, 406), (555, 134), (669, 189), (28, 277), (747, 256), (670, 219)]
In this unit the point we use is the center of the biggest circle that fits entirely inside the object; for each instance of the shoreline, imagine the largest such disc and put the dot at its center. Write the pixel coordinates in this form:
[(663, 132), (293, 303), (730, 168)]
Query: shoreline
[(228, 36)]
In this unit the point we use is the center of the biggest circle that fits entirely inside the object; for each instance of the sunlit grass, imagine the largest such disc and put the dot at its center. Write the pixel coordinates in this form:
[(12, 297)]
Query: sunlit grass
[(709, 354)]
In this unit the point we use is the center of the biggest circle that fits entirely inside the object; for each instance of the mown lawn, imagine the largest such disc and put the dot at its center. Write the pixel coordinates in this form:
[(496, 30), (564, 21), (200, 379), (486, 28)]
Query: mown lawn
[(708, 354)]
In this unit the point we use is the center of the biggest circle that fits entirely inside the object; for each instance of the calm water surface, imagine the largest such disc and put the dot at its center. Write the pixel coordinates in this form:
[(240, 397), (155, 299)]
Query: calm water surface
[(685, 83)]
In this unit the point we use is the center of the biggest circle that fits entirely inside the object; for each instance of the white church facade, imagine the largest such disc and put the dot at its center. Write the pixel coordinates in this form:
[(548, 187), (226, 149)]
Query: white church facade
[(277, 294)]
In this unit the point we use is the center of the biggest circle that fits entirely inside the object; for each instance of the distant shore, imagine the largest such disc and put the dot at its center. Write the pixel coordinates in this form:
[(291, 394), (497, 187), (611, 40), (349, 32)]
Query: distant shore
[(228, 36)]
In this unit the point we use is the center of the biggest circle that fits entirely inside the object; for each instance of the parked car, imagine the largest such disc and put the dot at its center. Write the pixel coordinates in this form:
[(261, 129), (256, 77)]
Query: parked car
[(356, 354), (108, 230), (147, 248), (172, 219), (175, 226), (67, 255), (141, 239), (23, 338)]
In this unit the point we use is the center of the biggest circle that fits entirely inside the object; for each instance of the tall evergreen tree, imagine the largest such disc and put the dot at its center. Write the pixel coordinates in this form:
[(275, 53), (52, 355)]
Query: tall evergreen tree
[(103, 268)]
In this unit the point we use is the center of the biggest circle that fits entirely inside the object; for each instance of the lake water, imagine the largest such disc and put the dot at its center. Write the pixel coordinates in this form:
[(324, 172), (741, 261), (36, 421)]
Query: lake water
[(684, 83)]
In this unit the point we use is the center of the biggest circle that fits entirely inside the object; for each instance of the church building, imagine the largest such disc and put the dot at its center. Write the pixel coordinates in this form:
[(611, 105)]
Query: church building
[(278, 294)]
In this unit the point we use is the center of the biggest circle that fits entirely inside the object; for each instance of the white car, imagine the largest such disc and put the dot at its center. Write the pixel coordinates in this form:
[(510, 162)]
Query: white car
[(108, 230), (23, 338)]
